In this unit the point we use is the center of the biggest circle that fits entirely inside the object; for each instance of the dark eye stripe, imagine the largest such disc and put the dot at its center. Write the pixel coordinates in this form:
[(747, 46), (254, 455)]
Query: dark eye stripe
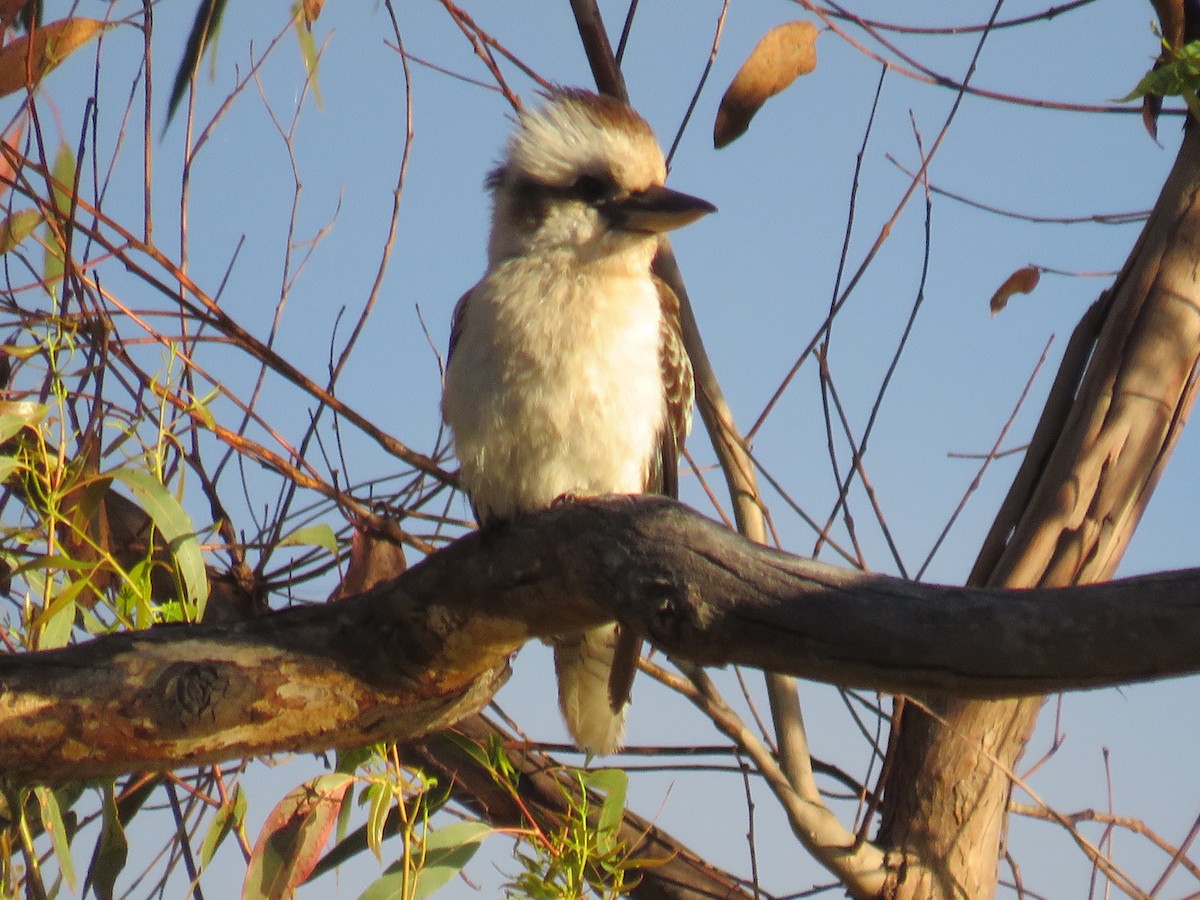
[(593, 188), (531, 199)]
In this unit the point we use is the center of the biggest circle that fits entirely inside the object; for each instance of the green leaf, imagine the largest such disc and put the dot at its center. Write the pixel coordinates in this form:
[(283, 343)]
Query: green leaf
[(471, 749), (319, 535), (15, 415), (112, 849), (205, 28), (53, 563), (135, 597), (379, 798), (499, 763), (308, 52), (176, 528), (64, 185), (8, 465), (17, 227), (231, 815), (350, 759), (446, 850), (614, 784), (199, 409), (389, 886), (53, 625), (52, 822), (1178, 78)]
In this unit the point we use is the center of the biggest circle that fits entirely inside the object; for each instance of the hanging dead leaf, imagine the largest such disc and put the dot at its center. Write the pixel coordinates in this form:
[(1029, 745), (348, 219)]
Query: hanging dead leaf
[(11, 151), (9, 10), (24, 61), (310, 10), (373, 559), (1021, 281), (785, 53), (1151, 107)]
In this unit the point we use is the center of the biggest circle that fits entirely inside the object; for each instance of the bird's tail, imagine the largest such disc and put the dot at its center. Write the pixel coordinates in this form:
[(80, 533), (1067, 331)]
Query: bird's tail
[(583, 662)]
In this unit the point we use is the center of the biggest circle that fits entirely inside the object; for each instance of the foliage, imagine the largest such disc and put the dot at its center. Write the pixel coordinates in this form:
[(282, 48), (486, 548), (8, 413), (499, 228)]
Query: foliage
[(74, 575), (1176, 75), (587, 852)]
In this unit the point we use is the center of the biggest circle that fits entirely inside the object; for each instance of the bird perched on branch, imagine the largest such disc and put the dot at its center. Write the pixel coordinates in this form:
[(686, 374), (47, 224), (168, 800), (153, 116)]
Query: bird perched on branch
[(567, 375)]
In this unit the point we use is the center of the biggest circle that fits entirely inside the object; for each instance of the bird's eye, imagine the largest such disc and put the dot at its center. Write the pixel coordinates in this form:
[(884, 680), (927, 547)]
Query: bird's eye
[(591, 188)]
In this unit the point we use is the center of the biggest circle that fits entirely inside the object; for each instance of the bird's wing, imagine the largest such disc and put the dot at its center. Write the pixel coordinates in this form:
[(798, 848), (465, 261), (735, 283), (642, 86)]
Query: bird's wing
[(662, 476), (456, 324), (457, 320), (678, 394)]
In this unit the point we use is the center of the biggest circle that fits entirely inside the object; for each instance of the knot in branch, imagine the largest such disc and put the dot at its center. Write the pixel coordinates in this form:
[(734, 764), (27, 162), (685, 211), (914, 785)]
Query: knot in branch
[(185, 693), (664, 604)]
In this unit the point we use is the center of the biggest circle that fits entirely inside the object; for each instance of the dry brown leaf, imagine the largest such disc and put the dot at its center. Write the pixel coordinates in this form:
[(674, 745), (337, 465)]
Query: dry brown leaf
[(373, 559), (9, 10), (1021, 281), (23, 65), (12, 141), (310, 9), (785, 53), (1151, 107)]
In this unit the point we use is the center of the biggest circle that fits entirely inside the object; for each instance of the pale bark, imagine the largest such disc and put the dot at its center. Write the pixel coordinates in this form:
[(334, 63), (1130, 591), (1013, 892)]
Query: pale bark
[(1103, 441)]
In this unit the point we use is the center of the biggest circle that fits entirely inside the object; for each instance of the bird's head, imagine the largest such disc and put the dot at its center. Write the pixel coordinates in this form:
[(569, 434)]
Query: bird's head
[(584, 174)]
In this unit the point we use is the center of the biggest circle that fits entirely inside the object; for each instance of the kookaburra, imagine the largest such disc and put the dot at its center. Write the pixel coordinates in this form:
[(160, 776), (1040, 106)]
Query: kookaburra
[(566, 374)]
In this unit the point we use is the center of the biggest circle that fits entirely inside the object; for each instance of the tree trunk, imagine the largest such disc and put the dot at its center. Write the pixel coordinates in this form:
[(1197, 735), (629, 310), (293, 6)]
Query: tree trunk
[(1096, 456)]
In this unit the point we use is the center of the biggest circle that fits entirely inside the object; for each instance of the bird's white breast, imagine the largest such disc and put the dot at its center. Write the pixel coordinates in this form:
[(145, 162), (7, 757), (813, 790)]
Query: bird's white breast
[(554, 385)]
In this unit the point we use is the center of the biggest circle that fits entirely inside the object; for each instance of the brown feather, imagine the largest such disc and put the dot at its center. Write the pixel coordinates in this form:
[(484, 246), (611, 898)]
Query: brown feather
[(456, 324), (662, 476), (678, 393)]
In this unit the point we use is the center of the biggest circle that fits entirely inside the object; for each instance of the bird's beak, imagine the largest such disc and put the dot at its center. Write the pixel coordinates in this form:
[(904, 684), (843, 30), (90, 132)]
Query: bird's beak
[(655, 210)]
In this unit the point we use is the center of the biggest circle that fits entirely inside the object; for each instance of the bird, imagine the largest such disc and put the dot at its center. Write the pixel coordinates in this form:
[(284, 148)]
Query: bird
[(566, 374)]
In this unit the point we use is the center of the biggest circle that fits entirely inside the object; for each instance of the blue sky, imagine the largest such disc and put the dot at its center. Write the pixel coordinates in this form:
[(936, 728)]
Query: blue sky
[(760, 273)]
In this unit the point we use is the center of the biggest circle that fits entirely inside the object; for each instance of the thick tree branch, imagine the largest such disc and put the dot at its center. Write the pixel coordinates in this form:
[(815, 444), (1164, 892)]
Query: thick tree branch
[(418, 653), (337, 675)]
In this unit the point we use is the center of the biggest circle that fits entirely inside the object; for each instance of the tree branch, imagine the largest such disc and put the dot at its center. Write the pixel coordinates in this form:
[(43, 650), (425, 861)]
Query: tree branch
[(422, 651)]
